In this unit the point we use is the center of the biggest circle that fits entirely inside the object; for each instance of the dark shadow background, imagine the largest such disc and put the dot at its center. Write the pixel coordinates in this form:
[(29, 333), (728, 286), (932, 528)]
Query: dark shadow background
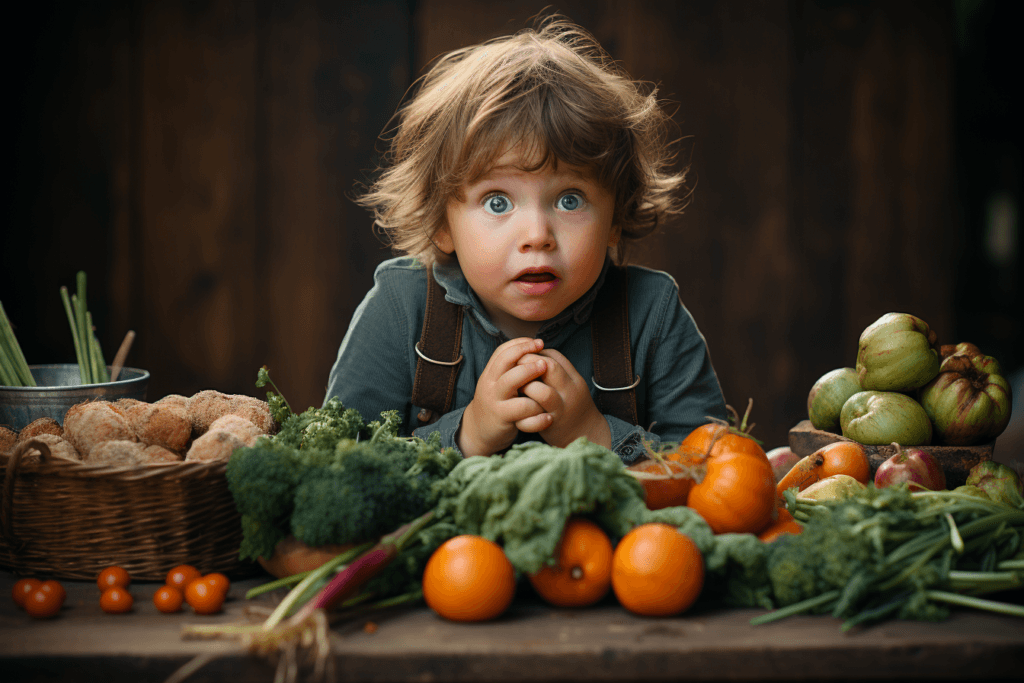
[(197, 159)]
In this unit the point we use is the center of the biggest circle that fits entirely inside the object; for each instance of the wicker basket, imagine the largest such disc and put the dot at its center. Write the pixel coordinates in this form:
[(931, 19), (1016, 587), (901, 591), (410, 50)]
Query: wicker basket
[(70, 520)]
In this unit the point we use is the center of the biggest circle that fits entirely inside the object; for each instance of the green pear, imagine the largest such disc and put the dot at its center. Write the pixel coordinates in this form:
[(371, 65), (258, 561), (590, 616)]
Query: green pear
[(897, 352), (883, 417), (828, 395)]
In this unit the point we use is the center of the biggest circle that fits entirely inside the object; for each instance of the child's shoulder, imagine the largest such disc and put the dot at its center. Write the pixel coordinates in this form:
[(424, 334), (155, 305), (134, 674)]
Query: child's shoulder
[(400, 271), (650, 281)]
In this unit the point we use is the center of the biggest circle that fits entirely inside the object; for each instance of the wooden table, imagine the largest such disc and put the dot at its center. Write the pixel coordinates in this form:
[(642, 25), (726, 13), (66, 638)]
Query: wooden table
[(530, 643)]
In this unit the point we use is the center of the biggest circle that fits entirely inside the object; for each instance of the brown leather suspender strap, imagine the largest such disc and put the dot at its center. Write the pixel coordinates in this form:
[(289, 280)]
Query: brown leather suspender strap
[(440, 344), (439, 351), (613, 359)]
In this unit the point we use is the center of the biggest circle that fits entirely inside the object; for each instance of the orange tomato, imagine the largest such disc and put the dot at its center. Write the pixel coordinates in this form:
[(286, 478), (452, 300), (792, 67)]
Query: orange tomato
[(657, 571), (45, 601), (737, 494), (113, 576), (665, 484), (717, 438), (218, 582), (181, 576), (469, 578), (203, 598), (54, 587), (24, 588), (116, 600), (782, 526), (583, 573), (840, 457), (168, 599)]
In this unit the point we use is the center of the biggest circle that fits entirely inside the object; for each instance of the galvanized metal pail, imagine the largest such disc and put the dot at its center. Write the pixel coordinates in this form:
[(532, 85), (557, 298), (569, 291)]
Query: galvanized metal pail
[(59, 388)]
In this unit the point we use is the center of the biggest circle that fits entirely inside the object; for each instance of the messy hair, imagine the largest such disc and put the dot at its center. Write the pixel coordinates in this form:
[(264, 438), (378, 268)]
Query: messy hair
[(552, 92)]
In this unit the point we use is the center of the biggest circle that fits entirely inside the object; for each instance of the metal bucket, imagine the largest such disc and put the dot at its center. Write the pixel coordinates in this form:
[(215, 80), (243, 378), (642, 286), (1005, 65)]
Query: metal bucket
[(59, 388)]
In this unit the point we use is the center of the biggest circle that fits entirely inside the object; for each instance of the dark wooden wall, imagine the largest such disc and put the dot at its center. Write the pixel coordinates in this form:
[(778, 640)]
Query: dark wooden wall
[(198, 160)]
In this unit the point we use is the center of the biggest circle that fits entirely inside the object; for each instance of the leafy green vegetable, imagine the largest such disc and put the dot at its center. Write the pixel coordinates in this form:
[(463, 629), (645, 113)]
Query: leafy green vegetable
[(522, 500), (891, 553), (327, 477)]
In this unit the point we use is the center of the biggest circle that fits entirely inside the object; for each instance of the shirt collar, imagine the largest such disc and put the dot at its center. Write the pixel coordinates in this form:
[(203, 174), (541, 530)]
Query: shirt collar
[(457, 291)]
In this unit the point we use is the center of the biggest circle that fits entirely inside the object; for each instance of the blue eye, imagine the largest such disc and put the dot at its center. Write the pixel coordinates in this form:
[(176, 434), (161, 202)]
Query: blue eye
[(497, 204), (570, 202)]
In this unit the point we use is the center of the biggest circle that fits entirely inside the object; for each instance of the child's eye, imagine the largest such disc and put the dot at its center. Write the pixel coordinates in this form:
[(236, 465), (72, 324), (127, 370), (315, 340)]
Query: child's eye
[(497, 204), (570, 202)]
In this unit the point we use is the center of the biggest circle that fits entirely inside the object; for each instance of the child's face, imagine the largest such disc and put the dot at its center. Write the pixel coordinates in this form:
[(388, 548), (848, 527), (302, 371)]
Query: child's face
[(529, 244)]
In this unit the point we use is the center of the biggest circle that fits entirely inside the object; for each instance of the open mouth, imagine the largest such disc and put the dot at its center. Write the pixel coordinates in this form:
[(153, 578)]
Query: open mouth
[(536, 277)]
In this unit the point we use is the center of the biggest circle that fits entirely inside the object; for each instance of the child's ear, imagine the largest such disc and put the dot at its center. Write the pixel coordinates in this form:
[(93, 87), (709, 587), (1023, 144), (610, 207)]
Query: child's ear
[(443, 240), (613, 240)]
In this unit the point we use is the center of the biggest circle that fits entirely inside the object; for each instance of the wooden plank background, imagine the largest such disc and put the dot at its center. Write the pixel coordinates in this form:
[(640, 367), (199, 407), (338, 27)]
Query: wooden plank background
[(199, 159)]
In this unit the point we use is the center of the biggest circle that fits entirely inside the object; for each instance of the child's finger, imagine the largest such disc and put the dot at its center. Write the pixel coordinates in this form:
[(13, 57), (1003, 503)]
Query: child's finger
[(537, 423), (515, 378), (543, 394), (509, 353), (519, 408)]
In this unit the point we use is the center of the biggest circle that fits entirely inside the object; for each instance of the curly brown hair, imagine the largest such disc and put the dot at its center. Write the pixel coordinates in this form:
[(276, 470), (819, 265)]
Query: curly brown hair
[(552, 91)]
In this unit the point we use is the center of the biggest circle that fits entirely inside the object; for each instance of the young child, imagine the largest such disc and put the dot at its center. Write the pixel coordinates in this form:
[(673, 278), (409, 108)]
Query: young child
[(520, 172)]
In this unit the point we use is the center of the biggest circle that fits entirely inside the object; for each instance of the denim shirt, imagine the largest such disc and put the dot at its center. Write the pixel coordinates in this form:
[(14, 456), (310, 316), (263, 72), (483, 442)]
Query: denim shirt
[(376, 362)]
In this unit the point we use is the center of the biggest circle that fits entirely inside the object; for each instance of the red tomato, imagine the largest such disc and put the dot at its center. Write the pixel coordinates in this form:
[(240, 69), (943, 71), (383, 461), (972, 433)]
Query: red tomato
[(113, 576), (168, 599), (54, 587), (116, 600), (24, 588), (182, 575), (45, 603), (203, 598), (218, 582)]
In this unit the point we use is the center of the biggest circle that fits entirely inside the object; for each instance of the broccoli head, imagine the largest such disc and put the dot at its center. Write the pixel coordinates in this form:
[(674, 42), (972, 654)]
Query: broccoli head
[(262, 479)]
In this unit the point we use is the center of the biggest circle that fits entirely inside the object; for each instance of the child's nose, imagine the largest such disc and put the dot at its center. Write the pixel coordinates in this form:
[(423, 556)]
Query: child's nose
[(536, 232)]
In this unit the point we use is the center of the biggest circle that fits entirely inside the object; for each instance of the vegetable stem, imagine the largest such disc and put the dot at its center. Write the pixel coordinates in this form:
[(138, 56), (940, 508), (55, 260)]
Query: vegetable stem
[(796, 608), (69, 308), (283, 582), (311, 577), (977, 603), (954, 535), (84, 331), (16, 368)]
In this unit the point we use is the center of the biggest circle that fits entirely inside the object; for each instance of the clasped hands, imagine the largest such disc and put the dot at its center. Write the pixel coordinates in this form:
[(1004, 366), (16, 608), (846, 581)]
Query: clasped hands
[(528, 388)]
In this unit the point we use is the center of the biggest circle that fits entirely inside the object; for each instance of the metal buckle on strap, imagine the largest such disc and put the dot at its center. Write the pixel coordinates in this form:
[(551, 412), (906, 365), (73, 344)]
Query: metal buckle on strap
[(436, 362), (631, 386)]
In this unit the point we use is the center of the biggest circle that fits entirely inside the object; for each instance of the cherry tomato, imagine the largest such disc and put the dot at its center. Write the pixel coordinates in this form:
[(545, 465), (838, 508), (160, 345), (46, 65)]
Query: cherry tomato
[(203, 598), (182, 575), (116, 600), (54, 587), (44, 603), (218, 582), (168, 599), (23, 589), (113, 576)]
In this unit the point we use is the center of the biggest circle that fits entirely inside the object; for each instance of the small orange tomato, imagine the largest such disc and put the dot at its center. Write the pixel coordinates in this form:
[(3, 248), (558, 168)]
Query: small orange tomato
[(44, 603), (218, 582), (113, 576), (54, 587), (116, 600), (168, 599), (203, 598), (23, 589), (182, 575)]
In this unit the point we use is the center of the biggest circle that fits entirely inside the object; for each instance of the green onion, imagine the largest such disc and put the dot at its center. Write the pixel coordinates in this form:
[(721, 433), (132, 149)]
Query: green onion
[(74, 333), (84, 331), (13, 367)]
